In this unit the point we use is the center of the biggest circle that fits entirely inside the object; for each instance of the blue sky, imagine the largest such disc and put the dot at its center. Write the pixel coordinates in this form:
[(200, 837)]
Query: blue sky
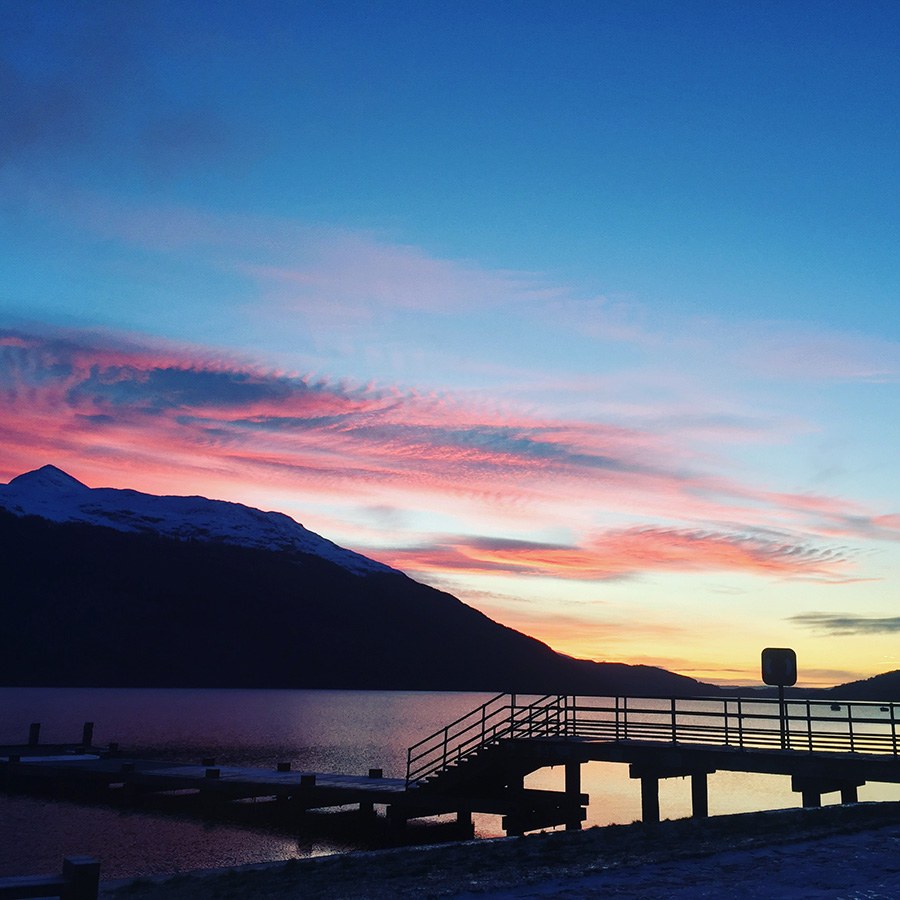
[(586, 312)]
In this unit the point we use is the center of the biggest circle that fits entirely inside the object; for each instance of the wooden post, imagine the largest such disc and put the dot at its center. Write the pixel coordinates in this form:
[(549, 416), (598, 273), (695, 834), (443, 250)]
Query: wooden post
[(849, 794), (649, 800), (87, 735), (34, 734), (699, 795), (397, 817), (83, 876)]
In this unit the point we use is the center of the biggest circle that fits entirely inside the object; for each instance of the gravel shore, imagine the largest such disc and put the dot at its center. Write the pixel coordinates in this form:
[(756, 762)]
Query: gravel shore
[(840, 852)]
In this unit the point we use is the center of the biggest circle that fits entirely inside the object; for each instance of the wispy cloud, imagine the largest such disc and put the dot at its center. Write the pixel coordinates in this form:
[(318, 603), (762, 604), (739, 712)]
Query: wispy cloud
[(621, 553), (69, 395), (847, 624)]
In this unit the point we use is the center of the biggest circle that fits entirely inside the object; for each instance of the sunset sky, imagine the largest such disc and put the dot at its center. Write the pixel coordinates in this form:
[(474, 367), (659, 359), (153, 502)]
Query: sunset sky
[(585, 312)]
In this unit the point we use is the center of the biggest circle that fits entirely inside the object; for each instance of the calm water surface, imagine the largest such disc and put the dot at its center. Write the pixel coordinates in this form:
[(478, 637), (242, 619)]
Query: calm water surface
[(324, 731)]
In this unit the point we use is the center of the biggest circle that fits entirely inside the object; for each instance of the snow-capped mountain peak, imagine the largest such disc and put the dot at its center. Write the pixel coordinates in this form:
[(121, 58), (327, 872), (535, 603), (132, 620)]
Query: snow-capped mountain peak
[(47, 478), (53, 494)]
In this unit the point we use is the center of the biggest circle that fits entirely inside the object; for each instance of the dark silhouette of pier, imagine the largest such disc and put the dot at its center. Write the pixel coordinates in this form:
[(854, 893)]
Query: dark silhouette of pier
[(479, 763)]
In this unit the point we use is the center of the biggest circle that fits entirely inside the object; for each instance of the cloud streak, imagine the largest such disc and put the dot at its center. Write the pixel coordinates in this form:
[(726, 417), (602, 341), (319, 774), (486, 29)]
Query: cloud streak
[(105, 398), (620, 553), (847, 624)]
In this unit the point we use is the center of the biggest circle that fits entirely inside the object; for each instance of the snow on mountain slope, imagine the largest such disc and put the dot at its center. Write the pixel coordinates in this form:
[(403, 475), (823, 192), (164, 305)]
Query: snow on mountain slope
[(52, 494)]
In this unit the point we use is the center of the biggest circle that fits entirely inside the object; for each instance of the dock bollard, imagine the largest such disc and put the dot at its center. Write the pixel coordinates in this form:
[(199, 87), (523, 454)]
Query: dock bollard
[(83, 876)]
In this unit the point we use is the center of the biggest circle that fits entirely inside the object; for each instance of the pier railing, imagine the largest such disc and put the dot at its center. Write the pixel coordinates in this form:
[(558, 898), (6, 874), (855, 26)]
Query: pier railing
[(800, 725)]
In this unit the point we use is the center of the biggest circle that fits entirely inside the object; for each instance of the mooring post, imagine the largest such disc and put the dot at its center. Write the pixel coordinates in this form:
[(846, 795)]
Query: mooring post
[(849, 794), (649, 799), (34, 734), (83, 876), (699, 795)]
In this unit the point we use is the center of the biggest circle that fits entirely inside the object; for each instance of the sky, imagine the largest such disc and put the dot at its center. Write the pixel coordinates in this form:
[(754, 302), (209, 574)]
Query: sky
[(584, 312)]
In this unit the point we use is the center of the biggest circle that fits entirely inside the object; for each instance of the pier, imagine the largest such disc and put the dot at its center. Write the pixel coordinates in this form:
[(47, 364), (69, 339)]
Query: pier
[(479, 763)]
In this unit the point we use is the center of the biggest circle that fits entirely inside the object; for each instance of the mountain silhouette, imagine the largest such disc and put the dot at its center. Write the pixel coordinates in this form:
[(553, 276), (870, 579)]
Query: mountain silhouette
[(116, 588)]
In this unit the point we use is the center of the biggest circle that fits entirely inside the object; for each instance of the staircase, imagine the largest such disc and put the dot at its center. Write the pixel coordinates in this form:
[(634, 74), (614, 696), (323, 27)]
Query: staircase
[(478, 747)]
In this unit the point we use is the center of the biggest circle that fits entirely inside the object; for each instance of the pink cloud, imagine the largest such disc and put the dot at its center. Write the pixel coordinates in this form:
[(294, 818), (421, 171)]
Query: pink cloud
[(175, 415), (618, 553)]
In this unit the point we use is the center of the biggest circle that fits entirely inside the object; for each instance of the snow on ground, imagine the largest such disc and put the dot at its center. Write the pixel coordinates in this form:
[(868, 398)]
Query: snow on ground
[(862, 866)]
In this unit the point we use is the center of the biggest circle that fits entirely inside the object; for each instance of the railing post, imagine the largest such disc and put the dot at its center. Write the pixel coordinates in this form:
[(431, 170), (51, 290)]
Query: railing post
[(893, 730), (674, 721), (446, 736), (787, 724), (625, 717), (617, 717), (740, 713), (725, 716), (850, 724), (809, 724)]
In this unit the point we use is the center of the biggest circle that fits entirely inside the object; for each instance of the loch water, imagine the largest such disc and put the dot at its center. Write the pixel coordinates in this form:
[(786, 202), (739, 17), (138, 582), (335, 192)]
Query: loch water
[(322, 731)]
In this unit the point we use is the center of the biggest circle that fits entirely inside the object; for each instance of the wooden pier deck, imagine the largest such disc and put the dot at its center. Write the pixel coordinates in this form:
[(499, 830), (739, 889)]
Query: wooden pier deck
[(478, 764)]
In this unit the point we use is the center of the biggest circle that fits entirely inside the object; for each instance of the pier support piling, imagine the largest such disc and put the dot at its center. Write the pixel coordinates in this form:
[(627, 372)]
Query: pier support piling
[(573, 794), (649, 799), (699, 795), (811, 789)]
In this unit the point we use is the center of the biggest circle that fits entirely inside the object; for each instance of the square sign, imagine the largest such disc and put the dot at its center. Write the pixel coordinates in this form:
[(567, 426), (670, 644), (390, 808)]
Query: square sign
[(779, 666)]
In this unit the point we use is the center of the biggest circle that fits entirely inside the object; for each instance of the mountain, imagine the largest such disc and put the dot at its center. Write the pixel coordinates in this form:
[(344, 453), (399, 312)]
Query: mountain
[(880, 687), (52, 494), (107, 587)]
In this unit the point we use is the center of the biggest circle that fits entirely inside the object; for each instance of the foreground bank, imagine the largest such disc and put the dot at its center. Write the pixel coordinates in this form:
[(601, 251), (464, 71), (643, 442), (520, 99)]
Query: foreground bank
[(823, 852)]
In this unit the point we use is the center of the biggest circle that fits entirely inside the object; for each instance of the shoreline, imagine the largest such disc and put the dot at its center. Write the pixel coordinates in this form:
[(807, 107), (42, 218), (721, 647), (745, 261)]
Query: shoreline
[(486, 866)]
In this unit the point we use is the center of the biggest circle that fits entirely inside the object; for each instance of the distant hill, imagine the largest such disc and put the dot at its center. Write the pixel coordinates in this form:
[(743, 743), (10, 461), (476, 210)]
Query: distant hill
[(879, 687), (116, 588)]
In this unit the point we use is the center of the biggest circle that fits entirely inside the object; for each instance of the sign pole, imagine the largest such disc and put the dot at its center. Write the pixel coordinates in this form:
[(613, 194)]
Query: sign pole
[(782, 717)]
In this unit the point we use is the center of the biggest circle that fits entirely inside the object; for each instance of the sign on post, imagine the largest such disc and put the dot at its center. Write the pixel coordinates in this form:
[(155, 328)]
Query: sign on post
[(779, 666)]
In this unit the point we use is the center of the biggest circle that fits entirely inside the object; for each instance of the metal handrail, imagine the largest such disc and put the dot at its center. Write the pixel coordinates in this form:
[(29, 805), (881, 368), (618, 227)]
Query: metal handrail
[(747, 723)]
